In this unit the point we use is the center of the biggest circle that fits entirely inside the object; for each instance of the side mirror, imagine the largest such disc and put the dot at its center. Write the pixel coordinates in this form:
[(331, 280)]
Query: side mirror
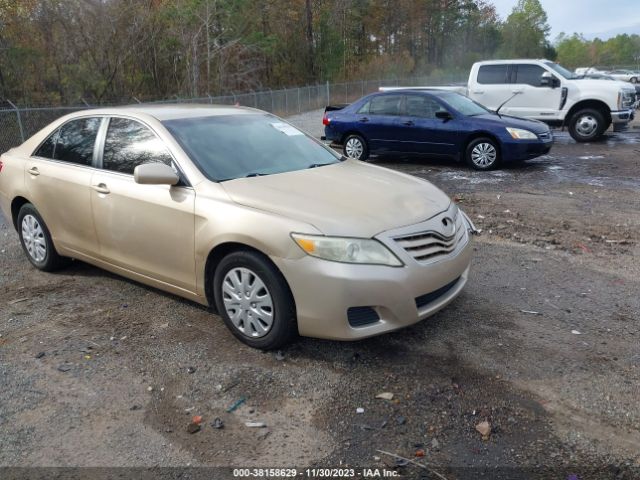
[(548, 80), (444, 115), (155, 174)]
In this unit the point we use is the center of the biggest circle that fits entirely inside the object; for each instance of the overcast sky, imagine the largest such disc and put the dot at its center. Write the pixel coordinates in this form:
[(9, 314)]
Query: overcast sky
[(604, 18)]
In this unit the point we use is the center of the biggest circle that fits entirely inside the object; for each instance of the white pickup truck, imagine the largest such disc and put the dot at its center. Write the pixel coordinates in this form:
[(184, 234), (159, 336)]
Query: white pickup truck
[(546, 91)]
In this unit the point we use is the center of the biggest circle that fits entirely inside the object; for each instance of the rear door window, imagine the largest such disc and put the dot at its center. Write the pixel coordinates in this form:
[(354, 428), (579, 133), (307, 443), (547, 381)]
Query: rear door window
[(129, 144), (493, 74), (528, 74), (386, 105), (73, 142)]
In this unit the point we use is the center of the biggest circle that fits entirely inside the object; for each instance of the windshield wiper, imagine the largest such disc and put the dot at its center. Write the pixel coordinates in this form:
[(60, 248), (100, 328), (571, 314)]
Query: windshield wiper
[(256, 174), (505, 102), (315, 165)]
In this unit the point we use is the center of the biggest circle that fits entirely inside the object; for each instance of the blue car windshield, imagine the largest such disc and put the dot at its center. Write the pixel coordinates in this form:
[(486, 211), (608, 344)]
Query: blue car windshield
[(225, 147), (464, 105)]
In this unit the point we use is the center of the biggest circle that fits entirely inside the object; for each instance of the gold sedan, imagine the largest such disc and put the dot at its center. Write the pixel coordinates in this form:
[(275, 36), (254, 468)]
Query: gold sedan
[(236, 209)]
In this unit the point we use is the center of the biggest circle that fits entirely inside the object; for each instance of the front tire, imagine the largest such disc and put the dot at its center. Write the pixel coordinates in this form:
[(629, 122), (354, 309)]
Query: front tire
[(483, 154), (634, 80), (586, 125), (254, 300), (36, 241), (356, 147)]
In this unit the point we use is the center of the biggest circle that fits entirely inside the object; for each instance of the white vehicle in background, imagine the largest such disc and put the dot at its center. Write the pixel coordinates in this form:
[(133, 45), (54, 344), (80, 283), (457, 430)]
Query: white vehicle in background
[(624, 75), (546, 91), (588, 70)]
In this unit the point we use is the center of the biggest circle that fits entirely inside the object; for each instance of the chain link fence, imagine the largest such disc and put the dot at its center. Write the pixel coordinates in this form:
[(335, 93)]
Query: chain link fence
[(17, 123)]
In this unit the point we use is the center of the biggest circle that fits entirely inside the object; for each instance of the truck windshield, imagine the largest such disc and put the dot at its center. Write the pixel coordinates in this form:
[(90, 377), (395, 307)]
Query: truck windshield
[(464, 105), (225, 147), (561, 70)]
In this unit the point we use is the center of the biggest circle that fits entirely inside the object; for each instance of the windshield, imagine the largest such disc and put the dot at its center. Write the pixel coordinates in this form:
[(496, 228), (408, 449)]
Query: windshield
[(225, 147), (569, 75), (464, 105)]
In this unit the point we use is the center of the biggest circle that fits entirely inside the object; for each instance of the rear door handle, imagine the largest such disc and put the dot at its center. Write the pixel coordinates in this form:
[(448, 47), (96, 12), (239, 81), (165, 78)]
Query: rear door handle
[(408, 123), (517, 91), (478, 92), (101, 188), (34, 171), (363, 119)]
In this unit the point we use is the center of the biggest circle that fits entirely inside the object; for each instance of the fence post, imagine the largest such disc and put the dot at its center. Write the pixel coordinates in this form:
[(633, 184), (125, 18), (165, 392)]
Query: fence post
[(255, 98), (210, 98), (286, 101), (131, 97), (299, 107), (362, 89), (272, 103), (328, 94), (19, 120)]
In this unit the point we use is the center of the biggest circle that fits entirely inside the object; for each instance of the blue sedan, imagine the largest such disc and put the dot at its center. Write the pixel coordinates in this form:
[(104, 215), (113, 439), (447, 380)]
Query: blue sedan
[(434, 122)]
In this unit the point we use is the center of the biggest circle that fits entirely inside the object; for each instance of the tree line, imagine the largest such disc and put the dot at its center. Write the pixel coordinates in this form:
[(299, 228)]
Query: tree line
[(61, 51), (576, 51)]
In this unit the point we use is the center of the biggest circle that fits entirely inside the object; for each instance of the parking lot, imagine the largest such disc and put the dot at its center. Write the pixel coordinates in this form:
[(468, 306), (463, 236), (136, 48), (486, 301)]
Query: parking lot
[(543, 344)]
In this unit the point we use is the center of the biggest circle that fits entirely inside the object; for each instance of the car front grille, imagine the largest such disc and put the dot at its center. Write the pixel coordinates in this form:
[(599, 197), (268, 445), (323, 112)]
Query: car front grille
[(430, 245)]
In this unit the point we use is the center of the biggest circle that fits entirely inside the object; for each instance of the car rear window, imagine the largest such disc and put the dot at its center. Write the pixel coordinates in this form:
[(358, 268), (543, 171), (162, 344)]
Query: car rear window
[(226, 147), (386, 105)]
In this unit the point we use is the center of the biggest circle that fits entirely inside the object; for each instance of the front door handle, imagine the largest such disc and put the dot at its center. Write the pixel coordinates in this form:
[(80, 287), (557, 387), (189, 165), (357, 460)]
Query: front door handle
[(478, 92), (34, 171), (408, 123), (101, 188), (363, 119)]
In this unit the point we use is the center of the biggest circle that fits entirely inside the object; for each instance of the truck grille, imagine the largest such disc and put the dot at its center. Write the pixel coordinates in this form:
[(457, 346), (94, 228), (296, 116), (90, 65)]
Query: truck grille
[(423, 246)]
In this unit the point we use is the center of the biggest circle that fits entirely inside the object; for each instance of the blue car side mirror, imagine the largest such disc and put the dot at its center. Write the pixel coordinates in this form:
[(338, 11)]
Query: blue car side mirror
[(444, 115)]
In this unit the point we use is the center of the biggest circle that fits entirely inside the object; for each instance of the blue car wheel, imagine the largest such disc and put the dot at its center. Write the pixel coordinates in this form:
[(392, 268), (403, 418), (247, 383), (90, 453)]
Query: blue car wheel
[(483, 154), (356, 147)]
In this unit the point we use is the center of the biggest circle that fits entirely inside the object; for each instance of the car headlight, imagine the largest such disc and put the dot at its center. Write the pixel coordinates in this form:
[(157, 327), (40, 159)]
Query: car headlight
[(346, 250), (521, 134)]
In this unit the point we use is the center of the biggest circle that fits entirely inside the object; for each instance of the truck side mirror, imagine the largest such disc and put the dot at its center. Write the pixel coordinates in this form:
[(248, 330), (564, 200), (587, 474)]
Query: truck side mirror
[(548, 80)]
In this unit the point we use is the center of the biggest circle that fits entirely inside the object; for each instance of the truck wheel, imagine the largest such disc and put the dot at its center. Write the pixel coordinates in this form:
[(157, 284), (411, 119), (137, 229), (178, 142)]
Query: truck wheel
[(483, 154), (356, 147), (586, 125), (633, 80)]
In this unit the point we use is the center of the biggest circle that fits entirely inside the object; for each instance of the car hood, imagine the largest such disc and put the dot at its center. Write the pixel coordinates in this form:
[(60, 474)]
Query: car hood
[(601, 83), (514, 122), (350, 198)]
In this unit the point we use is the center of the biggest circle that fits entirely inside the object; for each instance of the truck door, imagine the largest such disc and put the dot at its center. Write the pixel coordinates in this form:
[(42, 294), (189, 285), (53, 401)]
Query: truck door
[(533, 99)]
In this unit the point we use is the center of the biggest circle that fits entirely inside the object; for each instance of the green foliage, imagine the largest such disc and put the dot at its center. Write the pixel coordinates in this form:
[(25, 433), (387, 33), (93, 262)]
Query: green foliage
[(524, 34), (576, 51)]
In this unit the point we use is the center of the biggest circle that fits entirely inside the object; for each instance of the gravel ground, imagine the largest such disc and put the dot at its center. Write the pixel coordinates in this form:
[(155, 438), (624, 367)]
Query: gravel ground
[(98, 371)]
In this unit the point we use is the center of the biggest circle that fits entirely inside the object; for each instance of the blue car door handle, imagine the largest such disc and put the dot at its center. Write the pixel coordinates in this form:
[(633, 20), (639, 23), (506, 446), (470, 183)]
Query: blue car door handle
[(363, 119), (408, 123)]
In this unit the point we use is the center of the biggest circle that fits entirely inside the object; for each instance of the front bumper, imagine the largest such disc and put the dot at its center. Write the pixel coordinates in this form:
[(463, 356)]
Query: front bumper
[(622, 116), (324, 291), (525, 149)]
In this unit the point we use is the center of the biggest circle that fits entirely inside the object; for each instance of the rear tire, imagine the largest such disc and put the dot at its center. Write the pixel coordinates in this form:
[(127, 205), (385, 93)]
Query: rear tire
[(36, 241), (356, 147), (587, 125), (483, 154), (634, 80), (254, 300)]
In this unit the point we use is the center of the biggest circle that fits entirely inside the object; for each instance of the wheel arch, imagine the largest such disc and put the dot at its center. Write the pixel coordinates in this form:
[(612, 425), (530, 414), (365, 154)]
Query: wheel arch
[(215, 256), (353, 132), (480, 134), (599, 105), (16, 205)]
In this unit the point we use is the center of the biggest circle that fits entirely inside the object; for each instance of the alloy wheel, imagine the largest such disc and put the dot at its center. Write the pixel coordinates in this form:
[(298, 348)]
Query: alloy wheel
[(33, 238), (248, 302)]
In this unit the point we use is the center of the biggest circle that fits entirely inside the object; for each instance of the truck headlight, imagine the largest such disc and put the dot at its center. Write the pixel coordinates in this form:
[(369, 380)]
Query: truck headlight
[(521, 134), (346, 250)]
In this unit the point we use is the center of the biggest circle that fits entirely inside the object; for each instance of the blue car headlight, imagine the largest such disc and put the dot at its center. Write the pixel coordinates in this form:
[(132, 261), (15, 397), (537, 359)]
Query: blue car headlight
[(521, 134)]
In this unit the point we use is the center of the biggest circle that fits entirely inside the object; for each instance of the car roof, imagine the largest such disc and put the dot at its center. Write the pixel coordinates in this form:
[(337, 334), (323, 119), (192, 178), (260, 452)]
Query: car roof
[(175, 111), (432, 91), (513, 60)]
